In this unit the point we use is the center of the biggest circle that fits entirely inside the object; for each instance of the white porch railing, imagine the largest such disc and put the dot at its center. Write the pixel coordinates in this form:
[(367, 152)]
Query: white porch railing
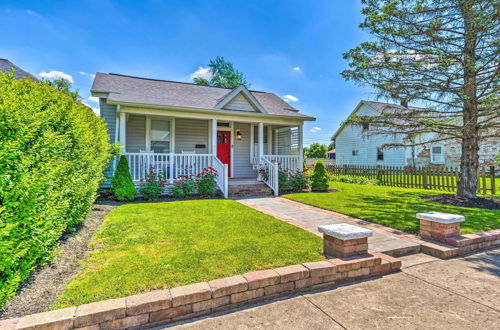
[(222, 178), (271, 179), (173, 166), (285, 162), (140, 163)]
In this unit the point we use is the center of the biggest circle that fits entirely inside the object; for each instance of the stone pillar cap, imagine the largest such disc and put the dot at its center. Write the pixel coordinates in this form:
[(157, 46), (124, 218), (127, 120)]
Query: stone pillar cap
[(440, 217), (345, 231)]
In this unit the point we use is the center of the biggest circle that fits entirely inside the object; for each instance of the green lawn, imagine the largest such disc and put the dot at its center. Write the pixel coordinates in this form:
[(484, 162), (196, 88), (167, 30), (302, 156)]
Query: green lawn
[(416, 181), (394, 207), (147, 246)]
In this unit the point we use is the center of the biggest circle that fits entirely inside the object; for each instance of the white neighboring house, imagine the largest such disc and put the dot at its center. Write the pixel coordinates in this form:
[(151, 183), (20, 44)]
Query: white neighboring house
[(180, 128), (355, 146)]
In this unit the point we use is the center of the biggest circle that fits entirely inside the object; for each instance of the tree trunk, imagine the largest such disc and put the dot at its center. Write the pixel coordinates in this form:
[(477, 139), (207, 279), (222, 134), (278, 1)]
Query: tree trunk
[(469, 161)]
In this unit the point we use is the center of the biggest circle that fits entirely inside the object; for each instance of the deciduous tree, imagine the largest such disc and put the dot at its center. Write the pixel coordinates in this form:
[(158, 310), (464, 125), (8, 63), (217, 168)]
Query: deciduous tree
[(223, 74)]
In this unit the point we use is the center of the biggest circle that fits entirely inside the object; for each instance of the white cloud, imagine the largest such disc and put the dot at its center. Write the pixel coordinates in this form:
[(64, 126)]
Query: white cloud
[(297, 68), (290, 98), (56, 75), (83, 73), (93, 99), (202, 72), (96, 110), (315, 129), (33, 13)]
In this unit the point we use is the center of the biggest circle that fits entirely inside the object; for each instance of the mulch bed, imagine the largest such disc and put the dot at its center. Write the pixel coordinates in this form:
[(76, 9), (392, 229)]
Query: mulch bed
[(479, 202)]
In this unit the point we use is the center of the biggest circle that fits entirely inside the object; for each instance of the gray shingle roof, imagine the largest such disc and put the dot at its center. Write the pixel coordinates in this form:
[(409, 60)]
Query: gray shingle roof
[(6, 66), (382, 106), (138, 90)]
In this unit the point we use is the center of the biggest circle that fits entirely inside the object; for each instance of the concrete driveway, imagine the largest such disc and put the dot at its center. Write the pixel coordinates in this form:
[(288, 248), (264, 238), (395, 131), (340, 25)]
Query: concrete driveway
[(428, 293)]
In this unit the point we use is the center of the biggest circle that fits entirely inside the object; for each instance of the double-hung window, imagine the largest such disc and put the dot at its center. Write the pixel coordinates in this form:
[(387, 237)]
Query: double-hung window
[(160, 135), (437, 154), (380, 154)]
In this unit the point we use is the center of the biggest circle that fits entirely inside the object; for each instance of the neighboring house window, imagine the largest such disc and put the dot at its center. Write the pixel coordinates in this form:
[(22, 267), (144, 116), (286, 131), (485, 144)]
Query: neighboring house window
[(366, 126), (355, 152), (437, 155), (380, 154), (160, 135)]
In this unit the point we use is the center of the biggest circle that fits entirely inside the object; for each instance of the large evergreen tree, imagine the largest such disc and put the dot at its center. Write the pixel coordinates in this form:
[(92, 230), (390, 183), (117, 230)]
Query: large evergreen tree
[(443, 54), (223, 74)]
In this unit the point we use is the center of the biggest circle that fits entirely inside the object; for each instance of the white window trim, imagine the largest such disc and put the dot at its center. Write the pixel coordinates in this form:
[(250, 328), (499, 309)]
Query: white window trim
[(442, 153), (172, 131)]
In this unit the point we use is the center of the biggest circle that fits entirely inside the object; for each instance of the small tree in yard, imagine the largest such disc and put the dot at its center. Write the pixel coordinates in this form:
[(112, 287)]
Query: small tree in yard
[(122, 186), (319, 179), (442, 54)]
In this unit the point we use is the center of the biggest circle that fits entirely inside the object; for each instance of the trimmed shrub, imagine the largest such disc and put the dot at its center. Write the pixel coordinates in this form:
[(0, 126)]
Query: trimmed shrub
[(53, 153), (319, 179), (122, 185)]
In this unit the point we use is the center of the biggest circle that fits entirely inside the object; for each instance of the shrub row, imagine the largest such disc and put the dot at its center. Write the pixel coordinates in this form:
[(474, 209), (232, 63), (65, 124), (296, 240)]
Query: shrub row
[(52, 155), (354, 179)]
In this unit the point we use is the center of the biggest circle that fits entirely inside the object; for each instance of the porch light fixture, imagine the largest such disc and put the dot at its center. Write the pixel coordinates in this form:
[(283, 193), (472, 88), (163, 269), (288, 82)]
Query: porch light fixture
[(238, 135)]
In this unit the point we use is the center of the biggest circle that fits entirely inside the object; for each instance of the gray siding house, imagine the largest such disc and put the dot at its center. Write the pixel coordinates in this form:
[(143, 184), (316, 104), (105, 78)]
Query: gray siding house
[(180, 128), (356, 146)]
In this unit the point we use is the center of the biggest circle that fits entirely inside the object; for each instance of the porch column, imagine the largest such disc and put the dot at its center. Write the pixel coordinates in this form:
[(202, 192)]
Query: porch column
[(214, 137), (123, 124), (301, 146), (261, 139)]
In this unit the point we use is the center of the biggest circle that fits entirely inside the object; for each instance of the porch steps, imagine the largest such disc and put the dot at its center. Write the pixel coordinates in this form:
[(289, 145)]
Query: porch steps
[(248, 187)]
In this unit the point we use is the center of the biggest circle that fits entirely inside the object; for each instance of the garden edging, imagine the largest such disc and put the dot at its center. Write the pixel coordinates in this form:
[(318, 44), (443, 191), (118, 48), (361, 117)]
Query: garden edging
[(189, 301)]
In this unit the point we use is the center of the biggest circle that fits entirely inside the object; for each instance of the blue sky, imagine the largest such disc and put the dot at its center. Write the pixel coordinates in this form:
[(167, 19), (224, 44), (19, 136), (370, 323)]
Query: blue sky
[(287, 47)]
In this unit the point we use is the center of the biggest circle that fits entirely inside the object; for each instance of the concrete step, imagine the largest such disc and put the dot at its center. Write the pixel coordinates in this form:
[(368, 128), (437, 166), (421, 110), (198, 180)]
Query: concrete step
[(248, 187), (250, 191)]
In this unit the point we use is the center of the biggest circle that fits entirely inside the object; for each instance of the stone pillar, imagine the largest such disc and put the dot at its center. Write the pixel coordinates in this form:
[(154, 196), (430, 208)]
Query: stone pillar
[(439, 226), (344, 240)]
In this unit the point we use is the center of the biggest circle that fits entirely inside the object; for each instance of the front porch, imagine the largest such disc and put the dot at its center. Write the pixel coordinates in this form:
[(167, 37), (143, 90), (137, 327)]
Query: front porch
[(182, 146)]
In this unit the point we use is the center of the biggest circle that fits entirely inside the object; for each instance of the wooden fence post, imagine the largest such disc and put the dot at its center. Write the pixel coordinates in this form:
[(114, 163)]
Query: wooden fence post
[(379, 173), (492, 180), (424, 177)]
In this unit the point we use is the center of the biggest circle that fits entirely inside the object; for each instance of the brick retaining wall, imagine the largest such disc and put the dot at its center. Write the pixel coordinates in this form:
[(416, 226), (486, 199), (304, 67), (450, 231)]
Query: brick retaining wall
[(171, 305)]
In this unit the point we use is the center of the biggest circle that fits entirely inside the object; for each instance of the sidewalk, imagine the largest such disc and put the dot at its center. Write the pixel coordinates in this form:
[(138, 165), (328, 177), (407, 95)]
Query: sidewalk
[(429, 293), (384, 239)]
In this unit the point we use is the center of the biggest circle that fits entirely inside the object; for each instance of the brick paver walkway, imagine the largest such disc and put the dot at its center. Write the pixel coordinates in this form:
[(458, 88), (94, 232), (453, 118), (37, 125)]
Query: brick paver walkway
[(308, 217)]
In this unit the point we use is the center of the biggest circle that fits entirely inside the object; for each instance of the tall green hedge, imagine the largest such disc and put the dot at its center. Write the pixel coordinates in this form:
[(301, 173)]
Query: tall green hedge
[(53, 152)]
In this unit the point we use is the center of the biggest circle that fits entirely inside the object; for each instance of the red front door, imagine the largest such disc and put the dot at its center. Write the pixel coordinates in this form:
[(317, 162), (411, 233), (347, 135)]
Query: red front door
[(224, 148)]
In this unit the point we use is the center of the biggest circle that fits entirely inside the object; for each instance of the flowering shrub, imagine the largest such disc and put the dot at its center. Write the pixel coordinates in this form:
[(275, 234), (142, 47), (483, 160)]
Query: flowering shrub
[(182, 187), (264, 174), (205, 181), (152, 185), (293, 180)]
